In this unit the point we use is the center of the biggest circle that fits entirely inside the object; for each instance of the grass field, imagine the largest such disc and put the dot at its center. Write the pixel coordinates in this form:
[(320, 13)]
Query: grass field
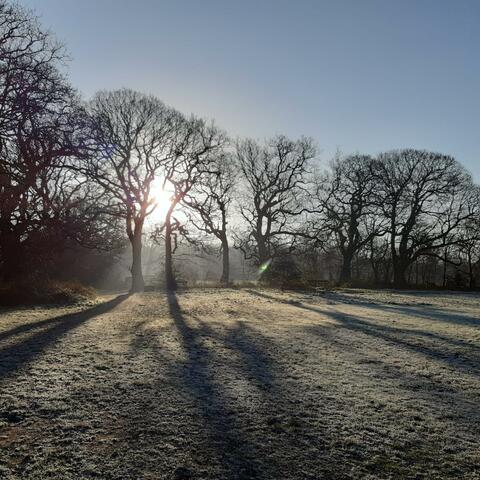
[(243, 384)]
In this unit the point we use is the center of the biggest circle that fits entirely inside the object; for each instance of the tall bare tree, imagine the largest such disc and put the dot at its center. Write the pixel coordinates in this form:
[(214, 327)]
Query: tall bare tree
[(468, 247), (425, 198), (134, 137), (348, 207), (274, 183), (196, 150), (210, 202), (38, 133)]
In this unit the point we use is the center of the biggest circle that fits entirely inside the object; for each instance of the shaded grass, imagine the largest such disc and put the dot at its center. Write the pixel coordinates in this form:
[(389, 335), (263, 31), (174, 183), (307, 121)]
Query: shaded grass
[(240, 385)]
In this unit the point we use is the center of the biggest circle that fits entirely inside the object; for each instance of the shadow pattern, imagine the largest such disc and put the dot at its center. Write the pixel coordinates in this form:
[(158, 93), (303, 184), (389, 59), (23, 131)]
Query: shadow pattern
[(16, 355)]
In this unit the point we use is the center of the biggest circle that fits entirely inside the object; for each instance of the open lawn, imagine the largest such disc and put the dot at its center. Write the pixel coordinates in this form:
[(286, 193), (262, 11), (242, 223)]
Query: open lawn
[(239, 384)]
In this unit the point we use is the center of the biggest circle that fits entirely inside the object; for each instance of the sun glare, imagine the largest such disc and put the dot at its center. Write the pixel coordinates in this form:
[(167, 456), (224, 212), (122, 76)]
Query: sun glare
[(162, 201)]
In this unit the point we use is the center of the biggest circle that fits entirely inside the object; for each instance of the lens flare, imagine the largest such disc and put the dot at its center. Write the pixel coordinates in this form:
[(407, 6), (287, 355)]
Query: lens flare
[(264, 266)]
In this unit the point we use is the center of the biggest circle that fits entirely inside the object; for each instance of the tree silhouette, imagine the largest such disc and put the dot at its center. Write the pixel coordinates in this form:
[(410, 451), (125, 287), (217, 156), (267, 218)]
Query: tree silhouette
[(134, 137), (209, 204), (275, 182)]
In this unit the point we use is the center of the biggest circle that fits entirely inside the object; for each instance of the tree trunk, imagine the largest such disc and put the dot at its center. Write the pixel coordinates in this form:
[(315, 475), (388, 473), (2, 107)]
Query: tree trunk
[(263, 254), (445, 260), (471, 276), (374, 264), (138, 284), (225, 278), (170, 282), (400, 267), (471, 280), (346, 271), (376, 274), (387, 277)]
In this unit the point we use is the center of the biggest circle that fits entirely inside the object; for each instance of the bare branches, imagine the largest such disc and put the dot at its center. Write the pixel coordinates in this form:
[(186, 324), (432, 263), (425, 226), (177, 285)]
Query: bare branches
[(39, 125), (345, 202), (276, 176), (134, 139), (197, 147), (423, 196)]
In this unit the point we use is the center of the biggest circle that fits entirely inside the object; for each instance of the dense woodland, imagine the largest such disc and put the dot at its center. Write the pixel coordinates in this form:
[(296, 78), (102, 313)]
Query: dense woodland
[(78, 183)]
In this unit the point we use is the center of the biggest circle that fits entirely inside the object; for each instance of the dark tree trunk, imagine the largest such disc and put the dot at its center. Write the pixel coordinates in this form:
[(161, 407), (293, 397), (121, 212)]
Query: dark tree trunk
[(374, 262), (225, 278), (376, 276), (471, 275), (346, 271), (170, 282), (263, 254), (445, 261), (387, 276), (138, 284), (400, 268)]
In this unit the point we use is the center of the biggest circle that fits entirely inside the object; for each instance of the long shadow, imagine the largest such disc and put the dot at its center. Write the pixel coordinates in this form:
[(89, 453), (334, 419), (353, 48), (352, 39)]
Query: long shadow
[(392, 334), (255, 364), (421, 385), (14, 356), (406, 331), (406, 311), (29, 327), (461, 406), (432, 313), (279, 414), (225, 432)]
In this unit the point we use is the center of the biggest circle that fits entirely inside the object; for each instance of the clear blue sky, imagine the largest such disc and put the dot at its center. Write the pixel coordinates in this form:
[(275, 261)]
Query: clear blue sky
[(358, 75)]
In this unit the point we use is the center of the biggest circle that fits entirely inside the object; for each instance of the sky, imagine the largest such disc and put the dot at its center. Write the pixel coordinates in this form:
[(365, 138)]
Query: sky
[(356, 75)]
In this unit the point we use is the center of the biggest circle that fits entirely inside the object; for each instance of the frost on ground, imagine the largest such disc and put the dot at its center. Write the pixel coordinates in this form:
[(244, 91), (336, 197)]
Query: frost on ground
[(243, 384)]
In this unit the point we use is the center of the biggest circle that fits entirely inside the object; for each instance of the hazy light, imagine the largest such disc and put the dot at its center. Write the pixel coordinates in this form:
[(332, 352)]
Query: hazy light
[(162, 200)]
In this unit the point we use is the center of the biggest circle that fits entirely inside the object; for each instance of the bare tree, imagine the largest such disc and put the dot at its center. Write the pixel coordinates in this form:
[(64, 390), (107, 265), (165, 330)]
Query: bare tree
[(469, 243), (348, 207), (274, 183), (30, 64), (209, 203), (38, 133), (134, 137), (195, 152), (423, 196)]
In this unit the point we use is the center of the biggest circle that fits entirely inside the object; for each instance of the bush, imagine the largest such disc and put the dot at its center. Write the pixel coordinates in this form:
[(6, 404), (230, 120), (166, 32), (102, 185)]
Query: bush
[(283, 272), (41, 292)]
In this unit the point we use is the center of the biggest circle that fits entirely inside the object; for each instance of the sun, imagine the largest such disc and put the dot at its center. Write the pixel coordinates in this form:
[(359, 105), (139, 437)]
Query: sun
[(162, 200)]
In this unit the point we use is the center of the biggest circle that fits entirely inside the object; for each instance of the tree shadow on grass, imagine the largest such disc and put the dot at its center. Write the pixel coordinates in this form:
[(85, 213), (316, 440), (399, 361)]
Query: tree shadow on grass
[(14, 356), (432, 388), (427, 312), (230, 402), (407, 338), (238, 457), (254, 418), (253, 361)]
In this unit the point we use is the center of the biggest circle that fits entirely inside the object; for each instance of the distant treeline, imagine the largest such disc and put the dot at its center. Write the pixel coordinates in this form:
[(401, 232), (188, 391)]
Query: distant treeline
[(79, 180)]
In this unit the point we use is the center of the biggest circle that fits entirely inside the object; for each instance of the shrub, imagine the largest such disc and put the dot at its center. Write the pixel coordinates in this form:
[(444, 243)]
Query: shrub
[(31, 291), (283, 272)]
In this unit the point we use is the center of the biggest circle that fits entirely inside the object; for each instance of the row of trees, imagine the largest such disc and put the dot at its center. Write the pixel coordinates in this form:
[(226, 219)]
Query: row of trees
[(83, 173), (397, 208)]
